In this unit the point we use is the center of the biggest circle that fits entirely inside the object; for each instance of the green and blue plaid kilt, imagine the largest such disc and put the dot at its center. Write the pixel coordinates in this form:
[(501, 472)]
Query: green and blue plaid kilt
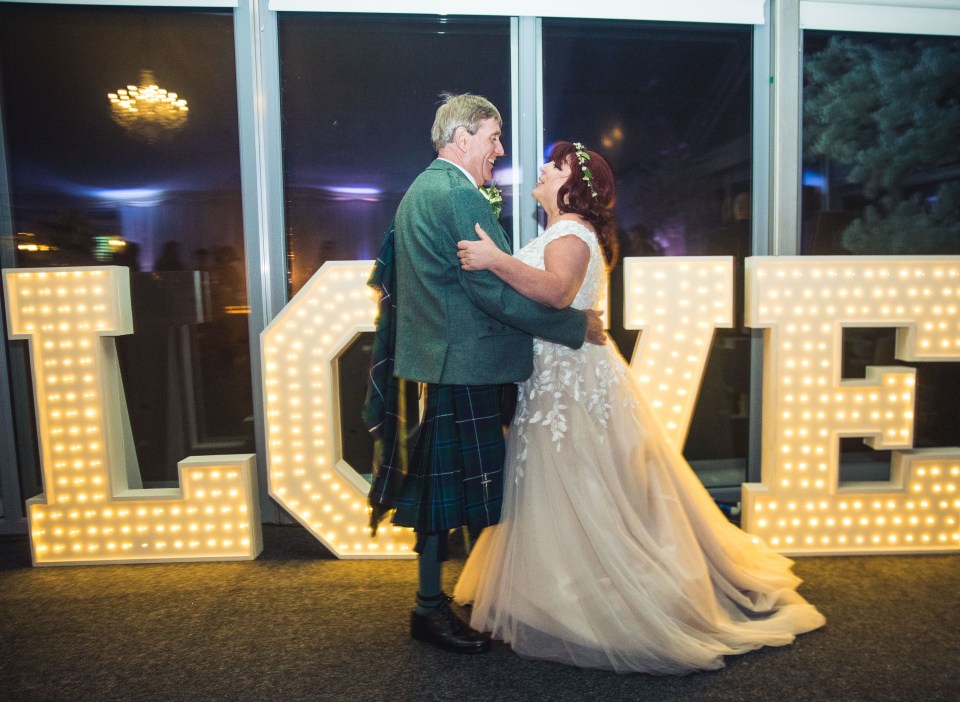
[(455, 476)]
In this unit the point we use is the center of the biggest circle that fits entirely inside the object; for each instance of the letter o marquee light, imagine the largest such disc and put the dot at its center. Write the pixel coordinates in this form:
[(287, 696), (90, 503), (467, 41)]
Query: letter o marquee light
[(305, 466), (88, 514)]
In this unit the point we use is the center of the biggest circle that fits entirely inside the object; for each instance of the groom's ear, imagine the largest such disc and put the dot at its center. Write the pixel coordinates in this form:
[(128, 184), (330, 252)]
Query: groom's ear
[(460, 136)]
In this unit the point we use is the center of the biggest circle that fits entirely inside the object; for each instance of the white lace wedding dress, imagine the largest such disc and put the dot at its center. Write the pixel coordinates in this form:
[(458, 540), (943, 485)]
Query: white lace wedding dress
[(610, 553)]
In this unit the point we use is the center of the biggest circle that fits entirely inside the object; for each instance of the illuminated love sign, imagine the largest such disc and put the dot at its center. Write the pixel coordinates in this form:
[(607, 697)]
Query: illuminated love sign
[(89, 513), (804, 304)]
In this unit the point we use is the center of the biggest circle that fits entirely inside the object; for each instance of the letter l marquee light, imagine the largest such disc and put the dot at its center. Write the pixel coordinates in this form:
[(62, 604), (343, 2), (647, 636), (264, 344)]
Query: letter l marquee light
[(88, 513)]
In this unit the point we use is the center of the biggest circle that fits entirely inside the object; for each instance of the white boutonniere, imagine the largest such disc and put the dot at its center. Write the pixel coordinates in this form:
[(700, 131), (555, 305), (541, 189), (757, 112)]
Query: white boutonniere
[(494, 196)]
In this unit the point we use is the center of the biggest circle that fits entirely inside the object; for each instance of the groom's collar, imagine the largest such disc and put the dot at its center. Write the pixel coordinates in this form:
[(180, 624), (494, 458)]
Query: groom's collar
[(461, 169)]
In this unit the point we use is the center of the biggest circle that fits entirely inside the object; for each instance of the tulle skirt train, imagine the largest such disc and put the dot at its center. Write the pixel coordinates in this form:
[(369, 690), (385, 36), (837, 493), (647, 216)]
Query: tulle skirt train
[(611, 554)]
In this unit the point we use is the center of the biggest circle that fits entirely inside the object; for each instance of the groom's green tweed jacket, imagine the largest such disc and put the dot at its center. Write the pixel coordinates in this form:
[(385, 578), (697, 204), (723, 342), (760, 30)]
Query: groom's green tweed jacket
[(458, 327)]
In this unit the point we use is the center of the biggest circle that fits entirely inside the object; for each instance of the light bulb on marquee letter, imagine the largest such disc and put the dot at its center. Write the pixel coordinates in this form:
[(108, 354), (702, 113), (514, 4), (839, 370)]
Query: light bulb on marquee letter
[(306, 470), (87, 513), (803, 304)]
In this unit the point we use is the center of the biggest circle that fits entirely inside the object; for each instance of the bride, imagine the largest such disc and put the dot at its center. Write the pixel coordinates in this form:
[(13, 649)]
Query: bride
[(609, 553)]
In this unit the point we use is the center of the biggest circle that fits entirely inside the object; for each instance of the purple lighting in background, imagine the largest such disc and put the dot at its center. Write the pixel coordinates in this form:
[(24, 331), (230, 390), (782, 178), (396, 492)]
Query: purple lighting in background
[(137, 197), (346, 192), (815, 180), (503, 177), (672, 238)]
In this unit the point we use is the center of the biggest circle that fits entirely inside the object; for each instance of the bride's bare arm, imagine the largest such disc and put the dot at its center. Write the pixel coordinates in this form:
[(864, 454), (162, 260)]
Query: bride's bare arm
[(565, 260)]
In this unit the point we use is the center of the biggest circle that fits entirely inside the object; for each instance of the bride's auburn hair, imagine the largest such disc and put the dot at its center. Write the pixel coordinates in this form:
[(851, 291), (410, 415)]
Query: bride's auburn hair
[(577, 195)]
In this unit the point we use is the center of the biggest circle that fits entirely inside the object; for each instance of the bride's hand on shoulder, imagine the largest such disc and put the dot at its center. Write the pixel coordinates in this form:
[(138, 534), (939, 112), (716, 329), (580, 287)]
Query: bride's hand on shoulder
[(481, 255)]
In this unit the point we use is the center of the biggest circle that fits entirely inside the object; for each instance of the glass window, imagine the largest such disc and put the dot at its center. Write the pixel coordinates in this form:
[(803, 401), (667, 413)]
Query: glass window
[(669, 106), (8, 457), (359, 94), (156, 189), (881, 176), (881, 167)]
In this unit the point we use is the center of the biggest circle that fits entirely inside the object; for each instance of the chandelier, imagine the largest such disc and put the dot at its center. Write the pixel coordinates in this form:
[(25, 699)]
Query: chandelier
[(148, 111)]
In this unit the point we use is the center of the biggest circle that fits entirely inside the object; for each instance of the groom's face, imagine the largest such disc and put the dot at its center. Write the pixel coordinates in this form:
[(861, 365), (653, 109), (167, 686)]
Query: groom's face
[(482, 150)]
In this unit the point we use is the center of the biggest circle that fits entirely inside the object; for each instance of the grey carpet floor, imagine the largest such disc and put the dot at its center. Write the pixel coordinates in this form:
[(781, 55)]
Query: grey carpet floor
[(297, 624)]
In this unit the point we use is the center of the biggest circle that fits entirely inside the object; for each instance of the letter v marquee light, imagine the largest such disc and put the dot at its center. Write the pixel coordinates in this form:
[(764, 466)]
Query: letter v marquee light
[(677, 303), (803, 305), (88, 513)]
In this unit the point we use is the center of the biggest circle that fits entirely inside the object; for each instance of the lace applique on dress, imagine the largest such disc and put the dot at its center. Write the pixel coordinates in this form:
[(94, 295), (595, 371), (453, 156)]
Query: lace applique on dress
[(560, 376)]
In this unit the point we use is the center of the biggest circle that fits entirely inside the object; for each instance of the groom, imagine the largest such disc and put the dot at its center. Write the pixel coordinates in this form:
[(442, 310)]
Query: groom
[(464, 334)]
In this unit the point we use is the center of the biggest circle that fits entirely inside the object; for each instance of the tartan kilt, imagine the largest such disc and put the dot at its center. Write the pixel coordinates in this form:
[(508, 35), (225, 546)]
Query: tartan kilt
[(455, 474)]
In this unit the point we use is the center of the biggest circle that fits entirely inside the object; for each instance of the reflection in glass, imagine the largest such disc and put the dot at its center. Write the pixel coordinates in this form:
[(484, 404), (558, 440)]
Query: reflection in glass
[(669, 106), (147, 110), (87, 191), (881, 176), (881, 170)]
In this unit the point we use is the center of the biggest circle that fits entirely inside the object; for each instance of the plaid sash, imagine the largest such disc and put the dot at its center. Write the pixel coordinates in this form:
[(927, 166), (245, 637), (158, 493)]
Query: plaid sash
[(381, 409), (456, 471)]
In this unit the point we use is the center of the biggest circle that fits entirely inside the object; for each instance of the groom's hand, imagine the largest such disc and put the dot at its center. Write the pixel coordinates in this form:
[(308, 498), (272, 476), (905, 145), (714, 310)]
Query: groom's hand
[(595, 333)]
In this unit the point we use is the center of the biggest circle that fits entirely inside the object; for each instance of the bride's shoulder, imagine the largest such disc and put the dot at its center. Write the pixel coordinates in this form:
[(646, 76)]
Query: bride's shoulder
[(572, 224)]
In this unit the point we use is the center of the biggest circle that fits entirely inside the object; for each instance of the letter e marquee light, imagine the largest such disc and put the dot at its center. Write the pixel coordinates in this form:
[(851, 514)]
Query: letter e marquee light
[(88, 512), (305, 466), (803, 304)]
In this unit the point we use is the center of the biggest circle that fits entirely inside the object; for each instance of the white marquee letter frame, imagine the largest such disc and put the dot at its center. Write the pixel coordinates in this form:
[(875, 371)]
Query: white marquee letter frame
[(88, 513), (677, 302), (306, 471), (803, 304)]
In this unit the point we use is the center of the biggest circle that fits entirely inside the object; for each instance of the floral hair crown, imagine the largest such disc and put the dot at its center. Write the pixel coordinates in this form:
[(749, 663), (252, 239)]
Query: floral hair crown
[(582, 158)]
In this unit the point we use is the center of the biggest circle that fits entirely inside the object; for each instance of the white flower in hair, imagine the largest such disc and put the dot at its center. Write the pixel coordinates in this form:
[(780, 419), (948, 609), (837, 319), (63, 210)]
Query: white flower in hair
[(582, 158)]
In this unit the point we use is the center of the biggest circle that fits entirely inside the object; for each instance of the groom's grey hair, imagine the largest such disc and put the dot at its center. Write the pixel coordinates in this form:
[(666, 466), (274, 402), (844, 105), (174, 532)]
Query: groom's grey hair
[(466, 111)]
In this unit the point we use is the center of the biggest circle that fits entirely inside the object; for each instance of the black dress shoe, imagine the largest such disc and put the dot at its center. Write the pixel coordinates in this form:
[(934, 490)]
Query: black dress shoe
[(444, 629)]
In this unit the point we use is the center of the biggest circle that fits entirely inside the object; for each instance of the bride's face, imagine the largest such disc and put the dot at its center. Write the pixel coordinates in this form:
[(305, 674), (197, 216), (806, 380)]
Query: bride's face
[(549, 183)]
